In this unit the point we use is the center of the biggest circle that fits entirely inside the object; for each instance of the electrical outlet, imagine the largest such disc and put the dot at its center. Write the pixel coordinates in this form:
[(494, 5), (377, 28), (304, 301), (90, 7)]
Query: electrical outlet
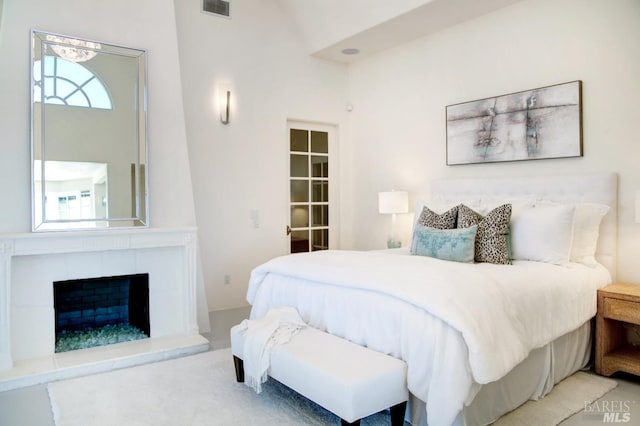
[(227, 279)]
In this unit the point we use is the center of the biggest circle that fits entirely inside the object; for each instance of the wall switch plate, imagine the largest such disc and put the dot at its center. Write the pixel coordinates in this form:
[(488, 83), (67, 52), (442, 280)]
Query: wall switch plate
[(255, 218)]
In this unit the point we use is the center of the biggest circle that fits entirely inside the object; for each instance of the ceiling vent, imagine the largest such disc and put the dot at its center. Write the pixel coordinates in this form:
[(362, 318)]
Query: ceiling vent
[(217, 7)]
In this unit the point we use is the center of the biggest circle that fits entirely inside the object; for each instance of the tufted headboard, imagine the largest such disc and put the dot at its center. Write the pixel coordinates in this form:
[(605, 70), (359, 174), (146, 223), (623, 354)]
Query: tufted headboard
[(594, 188)]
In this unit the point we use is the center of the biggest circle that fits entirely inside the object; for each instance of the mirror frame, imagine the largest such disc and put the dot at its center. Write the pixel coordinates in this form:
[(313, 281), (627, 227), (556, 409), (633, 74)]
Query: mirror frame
[(140, 182)]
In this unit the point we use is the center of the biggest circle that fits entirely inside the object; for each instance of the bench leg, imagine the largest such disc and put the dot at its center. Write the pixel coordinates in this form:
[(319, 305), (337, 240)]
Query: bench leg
[(397, 414), (239, 365)]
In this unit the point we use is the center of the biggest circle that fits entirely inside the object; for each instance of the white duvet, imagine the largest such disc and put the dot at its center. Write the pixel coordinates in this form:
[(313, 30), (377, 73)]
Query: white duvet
[(456, 325)]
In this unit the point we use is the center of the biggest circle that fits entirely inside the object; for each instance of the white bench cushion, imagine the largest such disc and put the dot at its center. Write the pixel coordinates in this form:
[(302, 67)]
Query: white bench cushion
[(349, 380)]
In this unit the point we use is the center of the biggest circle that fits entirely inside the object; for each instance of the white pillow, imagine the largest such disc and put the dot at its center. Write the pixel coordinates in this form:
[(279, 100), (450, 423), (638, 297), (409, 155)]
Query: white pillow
[(517, 204), (543, 234), (586, 230)]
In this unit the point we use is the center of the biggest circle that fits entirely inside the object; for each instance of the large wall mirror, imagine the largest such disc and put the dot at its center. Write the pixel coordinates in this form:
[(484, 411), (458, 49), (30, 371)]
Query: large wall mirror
[(89, 134)]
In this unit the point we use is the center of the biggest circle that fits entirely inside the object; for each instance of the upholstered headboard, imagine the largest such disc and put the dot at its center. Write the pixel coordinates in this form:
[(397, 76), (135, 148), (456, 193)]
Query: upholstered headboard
[(594, 188)]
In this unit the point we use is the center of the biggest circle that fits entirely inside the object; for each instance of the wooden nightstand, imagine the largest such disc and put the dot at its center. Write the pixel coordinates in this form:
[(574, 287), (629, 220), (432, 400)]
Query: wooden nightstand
[(617, 304)]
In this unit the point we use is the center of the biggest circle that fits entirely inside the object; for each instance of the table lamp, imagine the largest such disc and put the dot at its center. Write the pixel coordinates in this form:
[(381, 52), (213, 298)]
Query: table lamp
[(393, 202)]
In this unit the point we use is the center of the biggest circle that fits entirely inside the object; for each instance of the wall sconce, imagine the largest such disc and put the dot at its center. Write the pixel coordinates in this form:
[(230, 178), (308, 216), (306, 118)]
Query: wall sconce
[(393, 202), (224, 107), (224, 103)]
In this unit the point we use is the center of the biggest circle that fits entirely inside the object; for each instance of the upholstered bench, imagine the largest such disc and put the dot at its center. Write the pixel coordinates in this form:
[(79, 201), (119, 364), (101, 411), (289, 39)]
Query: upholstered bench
[(349, 380)]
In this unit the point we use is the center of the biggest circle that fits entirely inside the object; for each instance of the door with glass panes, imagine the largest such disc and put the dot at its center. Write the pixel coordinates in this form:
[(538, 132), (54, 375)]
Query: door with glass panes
[(311, 201)]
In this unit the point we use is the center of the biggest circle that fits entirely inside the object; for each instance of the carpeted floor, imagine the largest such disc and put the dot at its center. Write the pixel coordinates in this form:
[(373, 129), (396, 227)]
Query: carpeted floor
[(201, 390), (567, 397)]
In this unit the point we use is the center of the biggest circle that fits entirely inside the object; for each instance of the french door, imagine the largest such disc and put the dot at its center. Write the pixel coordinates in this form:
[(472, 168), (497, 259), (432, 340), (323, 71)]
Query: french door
[(312, 199)]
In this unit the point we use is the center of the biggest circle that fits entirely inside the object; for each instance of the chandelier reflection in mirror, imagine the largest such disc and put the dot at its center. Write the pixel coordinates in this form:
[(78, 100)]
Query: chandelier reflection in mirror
[(73, 49), (89, 134)]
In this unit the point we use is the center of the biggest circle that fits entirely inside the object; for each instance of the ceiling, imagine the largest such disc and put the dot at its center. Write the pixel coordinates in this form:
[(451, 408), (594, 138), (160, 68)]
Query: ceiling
[(329, 26)]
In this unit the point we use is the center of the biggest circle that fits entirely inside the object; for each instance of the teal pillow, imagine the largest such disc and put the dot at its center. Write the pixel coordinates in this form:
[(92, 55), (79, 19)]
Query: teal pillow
[(457, 245)]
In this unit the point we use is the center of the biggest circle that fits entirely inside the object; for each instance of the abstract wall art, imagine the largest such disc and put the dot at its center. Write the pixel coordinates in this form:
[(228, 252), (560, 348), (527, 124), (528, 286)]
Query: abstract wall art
[(530, 125)]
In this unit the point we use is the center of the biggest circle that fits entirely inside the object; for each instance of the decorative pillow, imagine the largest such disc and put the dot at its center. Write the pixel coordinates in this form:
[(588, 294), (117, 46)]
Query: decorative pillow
[(457, 245), (517, 204), (441, 203), (586, 230), (492, 239), (431, 219), (543, 234)]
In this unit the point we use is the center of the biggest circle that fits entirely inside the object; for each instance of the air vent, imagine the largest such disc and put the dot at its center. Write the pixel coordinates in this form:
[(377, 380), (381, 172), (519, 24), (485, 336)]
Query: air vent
[(217, 7)]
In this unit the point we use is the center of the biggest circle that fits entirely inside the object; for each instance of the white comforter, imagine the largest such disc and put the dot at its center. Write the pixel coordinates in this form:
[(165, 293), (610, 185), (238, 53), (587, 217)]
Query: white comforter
[(456, 325)]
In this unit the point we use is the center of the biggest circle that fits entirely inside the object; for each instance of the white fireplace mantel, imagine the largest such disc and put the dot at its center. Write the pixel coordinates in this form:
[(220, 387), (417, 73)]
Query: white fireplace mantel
[(30, 262)]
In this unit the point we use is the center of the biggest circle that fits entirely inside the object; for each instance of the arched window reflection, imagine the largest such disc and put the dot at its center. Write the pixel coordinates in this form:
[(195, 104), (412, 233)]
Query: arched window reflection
[(69, 83)]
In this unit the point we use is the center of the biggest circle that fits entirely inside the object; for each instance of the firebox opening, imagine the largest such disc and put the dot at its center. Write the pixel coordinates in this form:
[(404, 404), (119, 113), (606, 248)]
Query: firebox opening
[(101, 311)]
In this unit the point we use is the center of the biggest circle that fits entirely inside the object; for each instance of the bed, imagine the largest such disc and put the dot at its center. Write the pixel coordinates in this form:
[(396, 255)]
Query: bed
[(479, 339)]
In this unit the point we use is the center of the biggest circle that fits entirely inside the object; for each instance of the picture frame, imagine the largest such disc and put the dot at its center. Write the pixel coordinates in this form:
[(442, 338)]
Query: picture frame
[(534, 124)]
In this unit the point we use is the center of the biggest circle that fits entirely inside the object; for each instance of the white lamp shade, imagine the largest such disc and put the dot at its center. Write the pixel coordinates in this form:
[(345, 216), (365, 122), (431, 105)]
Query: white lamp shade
[(393, 202)]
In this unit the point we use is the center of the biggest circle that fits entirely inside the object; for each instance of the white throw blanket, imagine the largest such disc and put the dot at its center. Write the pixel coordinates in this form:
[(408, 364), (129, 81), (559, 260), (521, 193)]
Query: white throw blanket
[(502, 312), (275, 328)]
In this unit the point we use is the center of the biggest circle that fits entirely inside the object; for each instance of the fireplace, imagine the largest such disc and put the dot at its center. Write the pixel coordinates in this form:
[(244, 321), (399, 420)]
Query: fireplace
[(100, 311), (31, 263)]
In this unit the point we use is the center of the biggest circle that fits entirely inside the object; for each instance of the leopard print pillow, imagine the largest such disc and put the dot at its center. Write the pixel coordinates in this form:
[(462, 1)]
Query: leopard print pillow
[(493, 236), (431, 219)]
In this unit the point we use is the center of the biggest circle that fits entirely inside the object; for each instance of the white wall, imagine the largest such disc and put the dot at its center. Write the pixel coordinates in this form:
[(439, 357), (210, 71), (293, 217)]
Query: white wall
[(399, 96), (322, 23), (244, 166), (148, 24)]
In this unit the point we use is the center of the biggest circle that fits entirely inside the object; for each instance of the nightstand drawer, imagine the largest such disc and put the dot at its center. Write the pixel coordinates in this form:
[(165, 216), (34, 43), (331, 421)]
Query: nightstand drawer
[(622, 310)]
